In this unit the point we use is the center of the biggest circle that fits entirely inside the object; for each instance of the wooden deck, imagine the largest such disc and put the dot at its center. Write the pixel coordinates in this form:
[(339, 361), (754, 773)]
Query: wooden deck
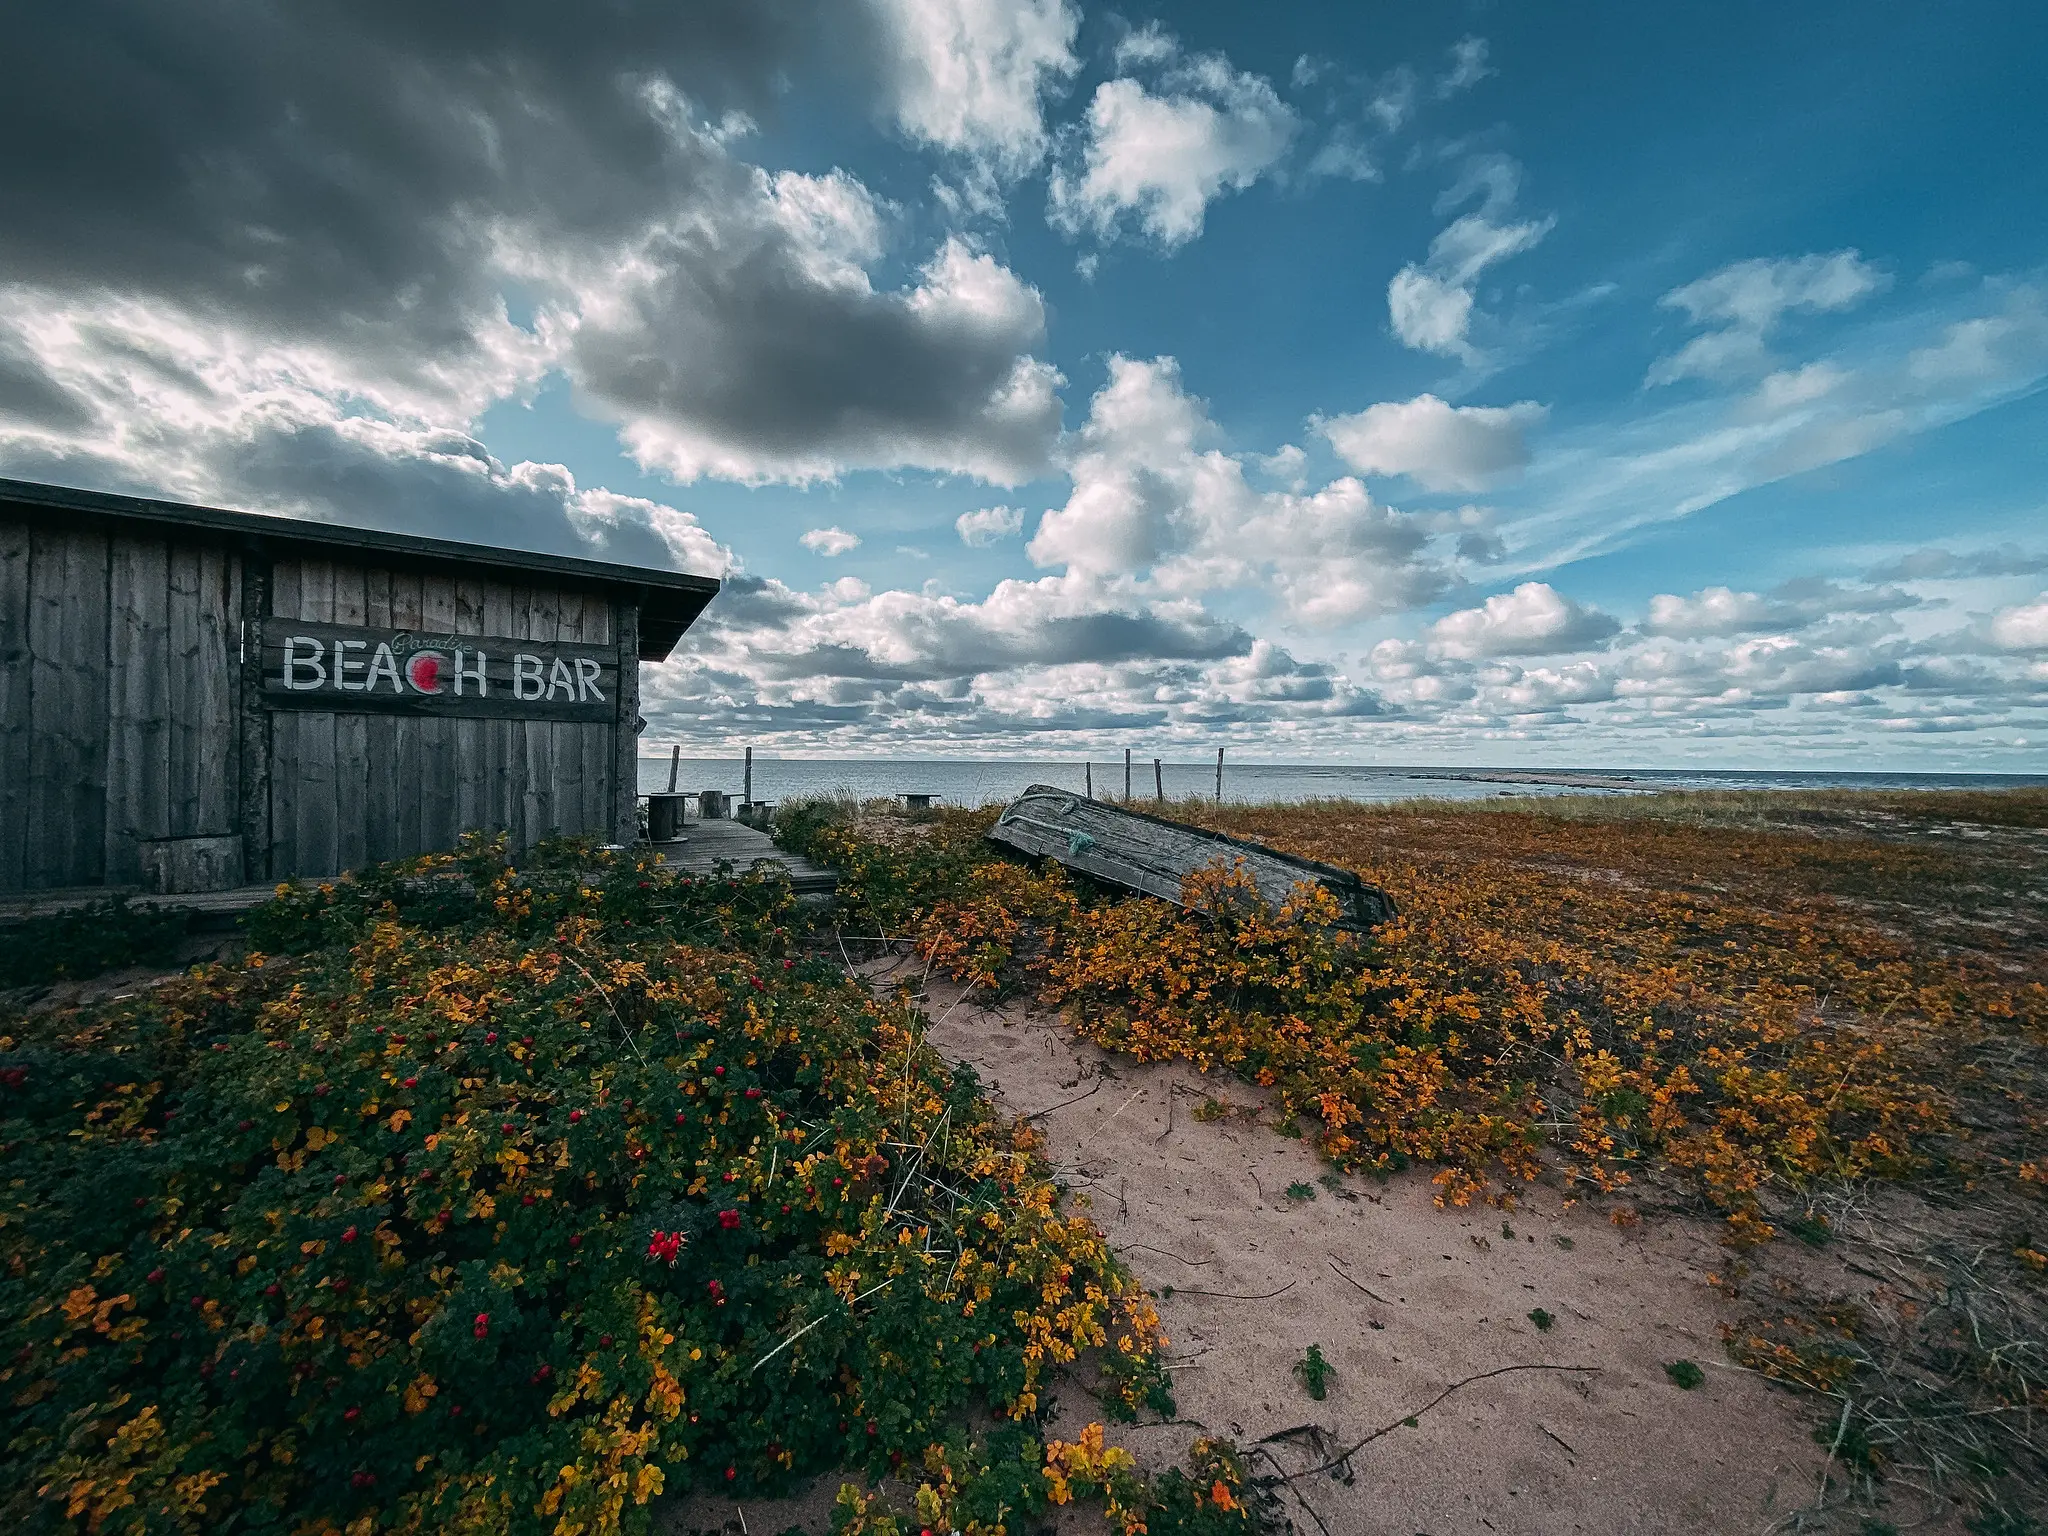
[(210, 908), (706, 843)]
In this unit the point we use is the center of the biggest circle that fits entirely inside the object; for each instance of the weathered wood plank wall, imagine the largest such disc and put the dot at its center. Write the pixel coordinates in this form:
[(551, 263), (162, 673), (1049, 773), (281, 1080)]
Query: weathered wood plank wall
[(128, 714), (15, 695), (171, 641)]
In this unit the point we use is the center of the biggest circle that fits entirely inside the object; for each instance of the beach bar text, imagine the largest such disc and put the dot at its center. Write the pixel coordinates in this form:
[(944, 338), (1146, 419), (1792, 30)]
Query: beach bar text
[(347, 667)]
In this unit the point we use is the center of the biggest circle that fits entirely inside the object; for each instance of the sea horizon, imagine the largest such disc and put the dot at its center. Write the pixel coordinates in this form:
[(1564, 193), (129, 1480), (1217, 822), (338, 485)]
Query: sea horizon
[(976, 781)]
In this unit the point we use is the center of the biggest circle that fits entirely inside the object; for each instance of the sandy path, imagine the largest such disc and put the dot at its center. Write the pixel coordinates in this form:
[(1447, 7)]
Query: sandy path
[(1202, 1207)]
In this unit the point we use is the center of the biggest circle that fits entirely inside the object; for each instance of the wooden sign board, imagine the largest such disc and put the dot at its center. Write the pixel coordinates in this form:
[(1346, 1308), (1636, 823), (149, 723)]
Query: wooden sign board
[(400, 671)]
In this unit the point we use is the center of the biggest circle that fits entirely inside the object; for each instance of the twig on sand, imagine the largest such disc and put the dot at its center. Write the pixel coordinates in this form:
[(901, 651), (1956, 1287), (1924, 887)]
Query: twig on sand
[(1191, 1263), (1375, 1295), (1232, 1295), (1077, 1098), (1345, 1455), (1560, 1439)]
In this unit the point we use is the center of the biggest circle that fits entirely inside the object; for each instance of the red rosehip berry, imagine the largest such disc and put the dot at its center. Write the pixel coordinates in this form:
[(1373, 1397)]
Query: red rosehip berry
[(156, 1276), (729, 1220), (353, 1414), (576, 1240), (412, 1082), (482, 1326), (718, 1071), (491, 1038), (604, 1341), (575, 1115), (731, 1473), (526, 1199), (349, 1235)]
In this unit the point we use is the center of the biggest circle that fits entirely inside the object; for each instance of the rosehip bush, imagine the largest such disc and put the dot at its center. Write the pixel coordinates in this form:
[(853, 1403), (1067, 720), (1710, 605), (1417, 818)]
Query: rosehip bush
[(508, 1203)]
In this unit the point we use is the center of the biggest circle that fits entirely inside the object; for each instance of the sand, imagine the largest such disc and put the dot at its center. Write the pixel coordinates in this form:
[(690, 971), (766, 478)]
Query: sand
[(1611, 1445)]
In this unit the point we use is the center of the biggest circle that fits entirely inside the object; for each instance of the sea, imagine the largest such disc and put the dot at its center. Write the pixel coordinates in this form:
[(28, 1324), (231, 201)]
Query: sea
[(978, 781)]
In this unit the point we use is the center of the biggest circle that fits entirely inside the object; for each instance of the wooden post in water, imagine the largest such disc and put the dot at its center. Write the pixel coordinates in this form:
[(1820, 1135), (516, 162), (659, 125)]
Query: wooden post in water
[(1088, 771), (747, 788), (1127, 775), (675, 761), (1158, 782), (1219, 775)]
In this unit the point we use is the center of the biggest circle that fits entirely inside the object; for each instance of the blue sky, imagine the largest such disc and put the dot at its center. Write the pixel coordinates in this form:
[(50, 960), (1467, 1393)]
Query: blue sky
[(1592, 384)]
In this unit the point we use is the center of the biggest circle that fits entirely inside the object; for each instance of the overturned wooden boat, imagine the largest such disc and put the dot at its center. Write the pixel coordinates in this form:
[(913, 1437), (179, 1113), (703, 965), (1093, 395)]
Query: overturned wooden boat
[(1155, 856)]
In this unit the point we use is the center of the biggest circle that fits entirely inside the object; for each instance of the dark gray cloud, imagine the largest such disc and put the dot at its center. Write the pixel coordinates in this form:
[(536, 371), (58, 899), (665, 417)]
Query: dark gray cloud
[(332, 167), (964, 643), (1936, 564), (29, 395), (371, 180)]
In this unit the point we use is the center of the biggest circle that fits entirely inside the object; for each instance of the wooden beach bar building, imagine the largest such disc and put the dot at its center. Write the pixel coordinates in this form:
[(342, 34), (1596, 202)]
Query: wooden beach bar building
[(197, 700)]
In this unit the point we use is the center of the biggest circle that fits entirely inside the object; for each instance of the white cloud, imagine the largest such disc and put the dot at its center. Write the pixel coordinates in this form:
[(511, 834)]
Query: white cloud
[(1468, 67), (830, 542), (1429, 313), (1152, 501), (1795, 605), (1150, 44), (1745, 301), (1442, 447), (989, 525), (971, 75), (1532, 620), (1287, 465), (2023, 627), (137, 397), (1432, 305), (1594, 486), (1713, 611), (1995, 350), (1159, 159)]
